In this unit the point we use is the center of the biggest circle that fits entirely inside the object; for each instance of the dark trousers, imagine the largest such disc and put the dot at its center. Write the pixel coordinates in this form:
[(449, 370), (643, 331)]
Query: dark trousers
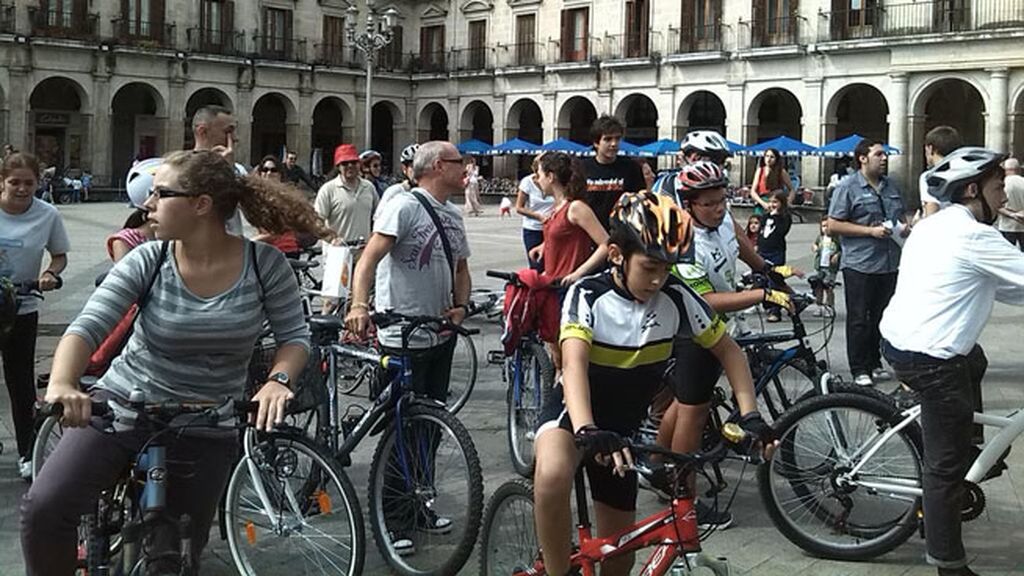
[(867, 295), (532, 239), (86, 462), (777, 258), (950, 392), (431, 376), (1015, 238), (19, 359)]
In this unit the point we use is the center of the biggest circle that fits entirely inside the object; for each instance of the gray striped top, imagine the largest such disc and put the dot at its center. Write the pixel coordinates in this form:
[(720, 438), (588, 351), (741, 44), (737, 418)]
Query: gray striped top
[(187, 348)]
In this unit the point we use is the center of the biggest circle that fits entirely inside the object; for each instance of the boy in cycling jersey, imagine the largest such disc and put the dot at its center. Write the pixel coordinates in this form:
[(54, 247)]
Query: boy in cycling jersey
[(954, 266), (616, 339)]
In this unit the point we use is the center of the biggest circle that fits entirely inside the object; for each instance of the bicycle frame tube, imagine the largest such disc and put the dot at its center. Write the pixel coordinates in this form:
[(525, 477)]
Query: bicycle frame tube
[(389, 397), (1010, 428)]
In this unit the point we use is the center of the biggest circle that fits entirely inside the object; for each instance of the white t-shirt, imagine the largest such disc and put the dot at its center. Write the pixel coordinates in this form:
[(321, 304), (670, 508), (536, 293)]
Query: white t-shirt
[(1014, 185), (414, 277), (536, 201), (23, 239)]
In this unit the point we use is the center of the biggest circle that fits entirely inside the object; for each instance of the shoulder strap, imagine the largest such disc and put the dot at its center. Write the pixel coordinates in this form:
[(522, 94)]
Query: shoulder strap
[(154, 274), (256, 268), (440, 232)]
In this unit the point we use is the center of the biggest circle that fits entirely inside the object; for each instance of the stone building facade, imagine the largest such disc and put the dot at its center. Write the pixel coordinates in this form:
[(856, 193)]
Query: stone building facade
[(94, 83)]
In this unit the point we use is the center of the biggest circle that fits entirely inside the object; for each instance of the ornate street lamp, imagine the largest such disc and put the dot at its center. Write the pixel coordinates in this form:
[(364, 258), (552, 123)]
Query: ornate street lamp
[(380, 31)]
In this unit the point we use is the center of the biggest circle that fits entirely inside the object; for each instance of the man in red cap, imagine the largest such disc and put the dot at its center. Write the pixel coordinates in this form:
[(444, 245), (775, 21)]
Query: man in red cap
[(347, 202)]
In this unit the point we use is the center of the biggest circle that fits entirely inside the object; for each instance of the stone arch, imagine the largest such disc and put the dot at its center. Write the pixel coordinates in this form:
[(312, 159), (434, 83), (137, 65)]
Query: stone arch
[(574, 119), (137, 115), (477, 121), (272, 115), (774, 112), (433, 122), (196, 100), (701, 110), (333, 122), (385, 115), (950, 100), (640, 115), (525, 121), (57, 123), (1017, 123)]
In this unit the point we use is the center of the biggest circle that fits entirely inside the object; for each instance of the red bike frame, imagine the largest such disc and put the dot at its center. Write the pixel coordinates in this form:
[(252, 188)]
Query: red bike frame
[(673, 531)]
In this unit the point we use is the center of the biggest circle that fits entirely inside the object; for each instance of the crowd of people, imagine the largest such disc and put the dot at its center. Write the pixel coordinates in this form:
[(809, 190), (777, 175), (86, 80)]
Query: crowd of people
[(644, 269)]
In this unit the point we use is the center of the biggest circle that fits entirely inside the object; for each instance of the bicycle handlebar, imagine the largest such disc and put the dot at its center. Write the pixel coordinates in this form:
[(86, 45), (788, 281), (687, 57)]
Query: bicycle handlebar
[(411, 323), (513, 278)]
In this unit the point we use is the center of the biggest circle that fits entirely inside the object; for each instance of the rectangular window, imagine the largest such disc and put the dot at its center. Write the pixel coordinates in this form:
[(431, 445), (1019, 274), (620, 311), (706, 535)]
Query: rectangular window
[(526, 40), (391, 56), (477, 44), (277, 32), (64, 13), (575, 34), (432, 47), (637, 26), (216, 26), (332, 48), (699, 30), (774, 22)]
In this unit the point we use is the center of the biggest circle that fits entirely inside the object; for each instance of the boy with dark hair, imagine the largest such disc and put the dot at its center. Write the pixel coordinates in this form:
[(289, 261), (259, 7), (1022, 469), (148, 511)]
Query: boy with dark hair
[(938, 142), (608, 174)]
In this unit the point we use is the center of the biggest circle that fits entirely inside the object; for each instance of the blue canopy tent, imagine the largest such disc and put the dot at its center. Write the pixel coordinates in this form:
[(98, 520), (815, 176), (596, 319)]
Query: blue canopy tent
[(846, 146), (627, 148), (735, 147), (784, 144), (515, 146), (663, 147), (474, 147), (565, 145)]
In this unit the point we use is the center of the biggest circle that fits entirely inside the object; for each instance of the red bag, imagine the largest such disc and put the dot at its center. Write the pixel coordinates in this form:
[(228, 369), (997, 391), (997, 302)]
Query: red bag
[(114, 343), (531, 306)]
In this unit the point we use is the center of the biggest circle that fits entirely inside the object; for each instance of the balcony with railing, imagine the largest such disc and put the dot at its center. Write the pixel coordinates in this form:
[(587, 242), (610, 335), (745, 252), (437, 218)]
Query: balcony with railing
[(8, 22), (581, 49), (209, 41), (632, 45), (280, 48), (520, 55), (336, 54), (695, 38), (774, 31), (911, 18), (430, 62), (475, 59), (63, 24), (144, 34)]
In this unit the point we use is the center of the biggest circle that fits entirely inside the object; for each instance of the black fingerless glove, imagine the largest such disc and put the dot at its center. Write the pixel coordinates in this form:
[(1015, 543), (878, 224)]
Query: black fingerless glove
[(756, 428), (595, 441)]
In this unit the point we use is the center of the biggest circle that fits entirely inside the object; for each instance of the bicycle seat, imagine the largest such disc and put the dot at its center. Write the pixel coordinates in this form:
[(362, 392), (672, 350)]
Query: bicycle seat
[(300, 265), (325, 323)]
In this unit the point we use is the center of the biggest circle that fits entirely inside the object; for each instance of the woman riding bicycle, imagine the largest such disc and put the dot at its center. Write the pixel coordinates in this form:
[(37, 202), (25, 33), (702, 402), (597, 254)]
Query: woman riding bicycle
[(203, 296), (27, 229)]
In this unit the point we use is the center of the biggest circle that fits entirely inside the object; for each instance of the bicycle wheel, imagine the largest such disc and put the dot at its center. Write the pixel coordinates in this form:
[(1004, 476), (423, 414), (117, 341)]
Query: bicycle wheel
[(508, 541), (351, 373), (535, 380), (463, 378), (47, 437), (426, 493), (289, 508), (792, 381), (804, 487)]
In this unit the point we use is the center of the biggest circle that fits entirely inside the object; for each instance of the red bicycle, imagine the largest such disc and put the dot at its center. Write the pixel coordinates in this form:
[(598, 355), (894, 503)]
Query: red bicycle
[(509, 543)]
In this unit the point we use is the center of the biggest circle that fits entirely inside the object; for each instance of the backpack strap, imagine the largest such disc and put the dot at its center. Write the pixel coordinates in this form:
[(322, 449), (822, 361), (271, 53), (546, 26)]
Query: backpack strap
[(256, 269), (154, 274)]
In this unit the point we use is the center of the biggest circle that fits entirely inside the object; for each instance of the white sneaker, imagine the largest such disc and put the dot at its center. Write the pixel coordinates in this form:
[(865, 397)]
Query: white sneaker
[(863, 380), (25, 469), (881, 374), (403, 546)]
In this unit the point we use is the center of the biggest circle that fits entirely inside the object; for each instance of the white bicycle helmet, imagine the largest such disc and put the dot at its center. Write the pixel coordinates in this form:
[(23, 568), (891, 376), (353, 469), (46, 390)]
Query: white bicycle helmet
[(705, 142), (958, 168), (408, 153), (140, 180), (366, 155)]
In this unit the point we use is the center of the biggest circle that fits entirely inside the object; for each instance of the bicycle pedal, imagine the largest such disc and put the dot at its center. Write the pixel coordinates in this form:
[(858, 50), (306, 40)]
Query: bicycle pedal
[(495, 357)]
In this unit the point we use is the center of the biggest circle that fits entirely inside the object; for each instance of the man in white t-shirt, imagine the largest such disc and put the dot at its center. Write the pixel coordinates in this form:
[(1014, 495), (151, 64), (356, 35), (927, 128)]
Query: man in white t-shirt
[(938, 142), (1011, 216), (414, 277)]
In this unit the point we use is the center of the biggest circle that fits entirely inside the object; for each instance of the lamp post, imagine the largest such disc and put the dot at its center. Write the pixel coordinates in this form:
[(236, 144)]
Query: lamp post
[(380, 30)]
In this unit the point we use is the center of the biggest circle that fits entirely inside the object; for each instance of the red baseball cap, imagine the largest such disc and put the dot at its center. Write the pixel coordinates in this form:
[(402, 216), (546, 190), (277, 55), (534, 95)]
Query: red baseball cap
[(345, 153)]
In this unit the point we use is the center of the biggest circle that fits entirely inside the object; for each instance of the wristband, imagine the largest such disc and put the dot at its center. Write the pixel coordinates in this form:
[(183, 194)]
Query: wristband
[(51, 273), (362, 305)]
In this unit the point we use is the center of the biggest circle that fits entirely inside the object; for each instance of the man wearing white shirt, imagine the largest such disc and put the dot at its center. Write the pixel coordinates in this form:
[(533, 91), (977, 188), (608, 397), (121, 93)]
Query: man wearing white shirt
[(954, 266), (1011, 216), (938, 142)]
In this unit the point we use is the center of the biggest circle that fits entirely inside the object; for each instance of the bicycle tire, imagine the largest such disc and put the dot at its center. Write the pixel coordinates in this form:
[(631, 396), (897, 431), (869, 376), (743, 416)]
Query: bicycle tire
[(47, 437), (523, 416), (463, 374), (325, 492), (425, 427), (792, 382), (508, 539), (872, 531)]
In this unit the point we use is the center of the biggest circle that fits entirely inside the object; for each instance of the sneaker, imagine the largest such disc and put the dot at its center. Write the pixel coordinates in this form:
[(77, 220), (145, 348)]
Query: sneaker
[(773, 318), (25, 469), (905, 397), (863, 380), (431, 523), (403, 546), (708, 517), (881, 374)]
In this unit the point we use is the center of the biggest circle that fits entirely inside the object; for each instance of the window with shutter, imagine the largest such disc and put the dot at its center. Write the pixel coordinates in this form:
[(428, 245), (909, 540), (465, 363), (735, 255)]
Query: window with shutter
[(636, 28), (477, 44), (432, 47), (332, 49), (575, 36), (526, 30)]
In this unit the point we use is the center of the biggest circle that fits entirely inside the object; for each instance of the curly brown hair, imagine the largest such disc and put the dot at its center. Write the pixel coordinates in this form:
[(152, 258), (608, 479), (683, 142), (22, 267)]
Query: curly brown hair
[(20, 160), (272, 206)]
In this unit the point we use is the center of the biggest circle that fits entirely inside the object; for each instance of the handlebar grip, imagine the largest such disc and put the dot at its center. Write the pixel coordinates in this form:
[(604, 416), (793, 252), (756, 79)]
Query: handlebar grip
[(506, 276)]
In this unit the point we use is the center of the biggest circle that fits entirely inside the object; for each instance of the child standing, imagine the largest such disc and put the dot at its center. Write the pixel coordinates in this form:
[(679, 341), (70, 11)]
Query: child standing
[(753, 228), (826, 262), (775, 225), (505, 208)]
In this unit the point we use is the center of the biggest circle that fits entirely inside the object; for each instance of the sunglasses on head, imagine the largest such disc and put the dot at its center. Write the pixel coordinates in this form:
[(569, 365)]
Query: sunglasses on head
[(266, 169)]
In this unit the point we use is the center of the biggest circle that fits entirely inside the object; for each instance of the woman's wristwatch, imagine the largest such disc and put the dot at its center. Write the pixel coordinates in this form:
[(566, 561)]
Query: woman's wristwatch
[(281, 378)]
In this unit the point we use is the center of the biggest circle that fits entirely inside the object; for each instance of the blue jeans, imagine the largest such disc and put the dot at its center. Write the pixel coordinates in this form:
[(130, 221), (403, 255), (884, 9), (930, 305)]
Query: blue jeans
[(950, 393), (532, 239)]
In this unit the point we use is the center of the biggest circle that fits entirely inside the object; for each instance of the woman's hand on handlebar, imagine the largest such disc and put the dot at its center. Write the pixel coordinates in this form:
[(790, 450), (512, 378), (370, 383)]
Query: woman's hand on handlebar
[(273, 398), (456, 314), (77, 406)]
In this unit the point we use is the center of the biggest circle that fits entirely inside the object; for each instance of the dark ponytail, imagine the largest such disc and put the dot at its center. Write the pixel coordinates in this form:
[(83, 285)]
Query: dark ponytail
[(568, 171)]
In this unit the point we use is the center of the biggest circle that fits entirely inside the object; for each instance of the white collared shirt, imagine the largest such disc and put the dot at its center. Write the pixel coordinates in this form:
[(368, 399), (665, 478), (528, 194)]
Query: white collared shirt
[(953, 269)]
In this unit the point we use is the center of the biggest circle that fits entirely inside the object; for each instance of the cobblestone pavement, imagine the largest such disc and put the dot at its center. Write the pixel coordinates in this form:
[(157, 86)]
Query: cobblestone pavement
[(752, 545)]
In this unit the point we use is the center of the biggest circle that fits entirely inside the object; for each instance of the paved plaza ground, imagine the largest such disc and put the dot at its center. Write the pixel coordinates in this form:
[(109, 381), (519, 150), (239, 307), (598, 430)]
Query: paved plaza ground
[(752, 545)]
